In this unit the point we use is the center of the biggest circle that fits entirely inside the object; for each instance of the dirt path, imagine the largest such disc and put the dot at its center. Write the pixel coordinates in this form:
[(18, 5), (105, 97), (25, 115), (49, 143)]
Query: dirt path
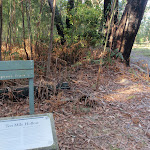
[(138, 57)]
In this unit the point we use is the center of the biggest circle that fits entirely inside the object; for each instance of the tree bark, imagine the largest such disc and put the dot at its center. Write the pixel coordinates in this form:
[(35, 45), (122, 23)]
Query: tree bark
[(10, 24), (116, 13), (37, 51), (14, 22), (128, 27), (107, 11), (51, 39), (28, 10), (70, 6), (58, 22), (1, 22), (114, 22), (23, 29)]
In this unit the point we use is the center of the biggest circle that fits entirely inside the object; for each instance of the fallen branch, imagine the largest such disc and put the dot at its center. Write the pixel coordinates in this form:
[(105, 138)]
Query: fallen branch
[(140, 69)]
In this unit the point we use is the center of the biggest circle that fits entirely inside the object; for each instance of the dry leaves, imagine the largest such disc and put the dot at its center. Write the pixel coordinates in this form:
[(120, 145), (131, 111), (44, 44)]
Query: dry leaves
[(115, 117)]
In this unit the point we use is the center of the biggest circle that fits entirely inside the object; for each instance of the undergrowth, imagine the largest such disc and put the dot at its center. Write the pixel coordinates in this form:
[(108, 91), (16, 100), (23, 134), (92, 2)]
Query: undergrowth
[(77, 54)]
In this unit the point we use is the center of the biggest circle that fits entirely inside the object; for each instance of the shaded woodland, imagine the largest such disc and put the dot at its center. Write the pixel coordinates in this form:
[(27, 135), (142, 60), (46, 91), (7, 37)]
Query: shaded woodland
[(27, 25), (81, 50)]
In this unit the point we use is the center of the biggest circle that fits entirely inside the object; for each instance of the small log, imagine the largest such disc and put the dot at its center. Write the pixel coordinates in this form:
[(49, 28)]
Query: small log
[(40, 92)]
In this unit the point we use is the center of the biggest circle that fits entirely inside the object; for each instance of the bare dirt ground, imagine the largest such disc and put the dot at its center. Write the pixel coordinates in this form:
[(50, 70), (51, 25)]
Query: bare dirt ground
[(141, 55), (116, 116), (138, 57), (120, 120)]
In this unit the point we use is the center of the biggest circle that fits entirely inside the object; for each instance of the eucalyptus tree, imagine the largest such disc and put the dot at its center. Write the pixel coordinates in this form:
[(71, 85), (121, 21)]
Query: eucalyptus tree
[(23, 30), (28, 14), (1, 14), (58, 21), (144, 31), (70, 6), (51, 39), (123, 32), (128, 27)]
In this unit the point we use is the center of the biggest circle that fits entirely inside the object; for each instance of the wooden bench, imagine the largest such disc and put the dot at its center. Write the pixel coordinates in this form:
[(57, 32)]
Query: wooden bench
[(19, 69)]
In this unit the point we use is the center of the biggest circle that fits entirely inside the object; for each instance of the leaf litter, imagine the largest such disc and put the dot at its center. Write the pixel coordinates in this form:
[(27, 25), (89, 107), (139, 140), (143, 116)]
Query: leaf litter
[(116, 116)]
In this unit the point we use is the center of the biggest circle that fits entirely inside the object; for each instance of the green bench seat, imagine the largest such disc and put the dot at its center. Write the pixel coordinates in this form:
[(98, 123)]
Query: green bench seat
[(19, 69)]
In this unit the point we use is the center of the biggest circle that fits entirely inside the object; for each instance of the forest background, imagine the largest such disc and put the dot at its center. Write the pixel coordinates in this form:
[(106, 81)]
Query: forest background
[(79, 25), (97, 102)]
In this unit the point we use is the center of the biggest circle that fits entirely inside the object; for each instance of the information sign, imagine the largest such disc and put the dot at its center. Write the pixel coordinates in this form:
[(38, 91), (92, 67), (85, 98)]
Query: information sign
[(24, 133)]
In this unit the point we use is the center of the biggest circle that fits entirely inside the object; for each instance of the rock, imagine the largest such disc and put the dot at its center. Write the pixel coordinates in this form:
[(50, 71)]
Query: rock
[(63, 85)]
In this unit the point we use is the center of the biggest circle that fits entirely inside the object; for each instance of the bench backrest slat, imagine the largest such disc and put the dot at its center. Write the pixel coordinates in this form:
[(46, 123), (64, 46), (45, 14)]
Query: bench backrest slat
[(17, 65), (16, 69), (16, 74)]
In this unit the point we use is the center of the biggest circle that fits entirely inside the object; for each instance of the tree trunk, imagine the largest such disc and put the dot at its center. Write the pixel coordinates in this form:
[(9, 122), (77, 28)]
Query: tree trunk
[(23, 29), (116, 13), (1, 22), (10, 24), (58, 22), (28, 10), (51, 39), (113, 23), (108, 6), (107, 11), (15, 24), (70, 6), (37, 50), (128, 27)]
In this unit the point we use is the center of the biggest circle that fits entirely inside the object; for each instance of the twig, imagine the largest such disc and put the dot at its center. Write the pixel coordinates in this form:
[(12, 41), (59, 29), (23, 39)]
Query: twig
[(147, 128), (100, 65)]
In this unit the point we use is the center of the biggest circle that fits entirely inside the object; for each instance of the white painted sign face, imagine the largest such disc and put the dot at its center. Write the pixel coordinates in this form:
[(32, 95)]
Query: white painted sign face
[(26, 133)]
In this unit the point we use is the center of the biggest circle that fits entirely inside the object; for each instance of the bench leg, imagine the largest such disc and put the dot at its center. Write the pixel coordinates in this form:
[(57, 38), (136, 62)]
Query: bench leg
[(31, 96)]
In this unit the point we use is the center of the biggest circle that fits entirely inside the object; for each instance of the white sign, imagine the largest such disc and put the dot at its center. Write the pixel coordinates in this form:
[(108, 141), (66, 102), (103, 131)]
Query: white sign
[(26, 133)]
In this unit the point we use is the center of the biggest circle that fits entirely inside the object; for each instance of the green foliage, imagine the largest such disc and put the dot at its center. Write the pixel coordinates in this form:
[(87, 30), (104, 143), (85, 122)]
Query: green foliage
[(86, 26), (86, 22), (108, 59), (115, 53), (121, 7), (16, 56), (12, 20), (144, 30), (6, 53)]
